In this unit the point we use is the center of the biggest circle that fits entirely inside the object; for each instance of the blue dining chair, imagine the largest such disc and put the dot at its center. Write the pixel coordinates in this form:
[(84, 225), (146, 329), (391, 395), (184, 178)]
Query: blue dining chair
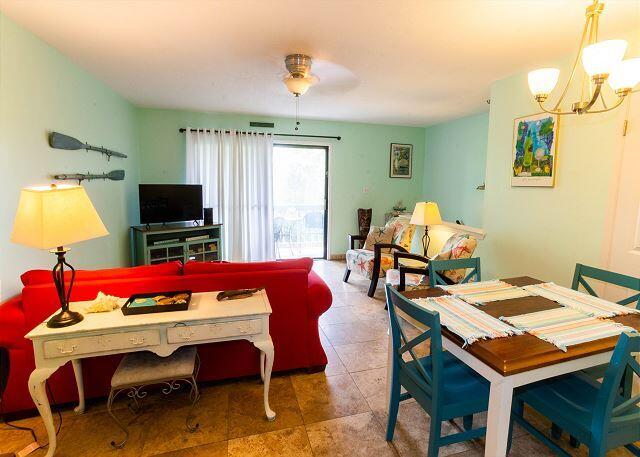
[(437, 266), (609, 277), (598, 415), (580, 276), (442, 385)]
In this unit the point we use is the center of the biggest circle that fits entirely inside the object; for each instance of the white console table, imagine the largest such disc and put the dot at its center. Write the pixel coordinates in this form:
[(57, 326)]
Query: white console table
[(206, 321)]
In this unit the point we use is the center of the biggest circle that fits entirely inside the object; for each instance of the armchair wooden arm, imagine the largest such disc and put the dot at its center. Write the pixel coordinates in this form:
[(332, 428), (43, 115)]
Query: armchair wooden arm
[(404, 270), (377, 259), (378, 247), (353, 238), (407, 255)]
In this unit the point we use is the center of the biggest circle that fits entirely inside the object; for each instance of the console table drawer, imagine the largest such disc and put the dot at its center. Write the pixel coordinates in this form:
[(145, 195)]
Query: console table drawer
[(218, 330), (101, 343)]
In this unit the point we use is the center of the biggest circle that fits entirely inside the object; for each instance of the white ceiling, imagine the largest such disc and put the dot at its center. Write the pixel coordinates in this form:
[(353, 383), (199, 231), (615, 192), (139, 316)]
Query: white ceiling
[(405, 62)]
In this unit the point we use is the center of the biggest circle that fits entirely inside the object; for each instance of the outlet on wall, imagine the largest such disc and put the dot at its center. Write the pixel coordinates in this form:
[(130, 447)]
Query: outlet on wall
[(365, 190)]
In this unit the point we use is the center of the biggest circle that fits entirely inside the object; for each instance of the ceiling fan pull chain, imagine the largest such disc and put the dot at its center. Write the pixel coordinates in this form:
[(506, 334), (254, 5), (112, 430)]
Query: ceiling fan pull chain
[(297, 112)]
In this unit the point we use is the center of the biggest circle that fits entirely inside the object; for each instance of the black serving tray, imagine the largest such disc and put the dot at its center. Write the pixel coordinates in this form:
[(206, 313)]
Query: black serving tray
[(127, 309)]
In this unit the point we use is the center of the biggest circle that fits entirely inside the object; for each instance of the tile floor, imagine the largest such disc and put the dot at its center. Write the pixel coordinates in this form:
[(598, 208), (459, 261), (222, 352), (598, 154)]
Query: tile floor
[(339, 412)]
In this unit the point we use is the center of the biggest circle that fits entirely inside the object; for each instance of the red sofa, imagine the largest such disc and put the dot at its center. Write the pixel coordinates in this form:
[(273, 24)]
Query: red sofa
[(297, 295)]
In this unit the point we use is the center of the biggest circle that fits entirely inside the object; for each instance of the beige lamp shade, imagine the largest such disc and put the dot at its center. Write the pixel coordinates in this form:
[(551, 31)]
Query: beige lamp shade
[(49, 217), (426, 213)]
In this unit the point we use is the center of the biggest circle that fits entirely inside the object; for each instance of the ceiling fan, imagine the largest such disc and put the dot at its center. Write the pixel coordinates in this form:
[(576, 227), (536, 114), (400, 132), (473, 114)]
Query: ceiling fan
[(298, 79), (327, 77)]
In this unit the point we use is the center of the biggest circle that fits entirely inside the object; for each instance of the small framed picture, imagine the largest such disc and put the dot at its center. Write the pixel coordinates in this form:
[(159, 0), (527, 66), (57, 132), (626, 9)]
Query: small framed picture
[(534, 159), (400, 160)]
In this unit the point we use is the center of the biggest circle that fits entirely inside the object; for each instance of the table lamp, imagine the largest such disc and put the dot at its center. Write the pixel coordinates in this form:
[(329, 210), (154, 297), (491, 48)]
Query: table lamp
[(52, 217), (426, 213)]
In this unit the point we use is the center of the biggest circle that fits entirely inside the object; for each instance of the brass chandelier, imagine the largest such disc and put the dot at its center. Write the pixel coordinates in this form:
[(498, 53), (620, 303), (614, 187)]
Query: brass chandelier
[(602, 62)]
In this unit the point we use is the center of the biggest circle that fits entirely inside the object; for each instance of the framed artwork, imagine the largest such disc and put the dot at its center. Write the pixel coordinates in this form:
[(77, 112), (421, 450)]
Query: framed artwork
[(400, 160), (534, 160)]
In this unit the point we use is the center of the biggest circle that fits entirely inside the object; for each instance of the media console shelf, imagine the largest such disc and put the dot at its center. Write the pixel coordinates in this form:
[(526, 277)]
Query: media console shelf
[(155, 244)]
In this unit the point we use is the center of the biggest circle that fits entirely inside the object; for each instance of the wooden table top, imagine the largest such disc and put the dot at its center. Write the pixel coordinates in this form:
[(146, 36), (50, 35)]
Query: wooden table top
[(516, 354)]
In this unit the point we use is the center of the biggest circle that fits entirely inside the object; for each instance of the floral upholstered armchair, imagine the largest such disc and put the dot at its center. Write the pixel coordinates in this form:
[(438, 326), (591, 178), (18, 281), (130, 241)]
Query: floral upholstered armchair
[(375, 254), (458, 246)]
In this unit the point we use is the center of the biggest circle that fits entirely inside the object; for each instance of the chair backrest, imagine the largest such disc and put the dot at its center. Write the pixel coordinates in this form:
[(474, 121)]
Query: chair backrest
[(278, 223), (314, 220), (617, 279), (437, 266), (622, 364), (430, 382)]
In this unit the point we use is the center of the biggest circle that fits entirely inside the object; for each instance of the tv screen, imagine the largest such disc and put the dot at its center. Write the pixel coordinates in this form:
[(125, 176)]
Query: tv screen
[(161, 203)]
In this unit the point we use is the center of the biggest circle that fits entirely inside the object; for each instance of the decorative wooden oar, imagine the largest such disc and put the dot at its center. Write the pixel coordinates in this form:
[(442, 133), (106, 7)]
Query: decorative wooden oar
[(115, 175), (61, 141)]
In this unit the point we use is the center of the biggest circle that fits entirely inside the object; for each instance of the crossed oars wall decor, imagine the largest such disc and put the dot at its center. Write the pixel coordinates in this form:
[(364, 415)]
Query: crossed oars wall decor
[(62, 141)]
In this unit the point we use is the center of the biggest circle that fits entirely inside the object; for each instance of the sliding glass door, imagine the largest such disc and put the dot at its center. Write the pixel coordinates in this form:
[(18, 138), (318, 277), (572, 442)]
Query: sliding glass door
[(300, 177)]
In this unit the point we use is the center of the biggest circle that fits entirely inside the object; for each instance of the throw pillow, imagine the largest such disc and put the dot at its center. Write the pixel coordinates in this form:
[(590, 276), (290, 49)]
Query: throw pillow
[(379, 235), (462, 250)]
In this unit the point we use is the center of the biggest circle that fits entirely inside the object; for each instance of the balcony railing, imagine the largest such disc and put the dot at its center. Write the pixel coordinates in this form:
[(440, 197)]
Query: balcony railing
[(299, 231)]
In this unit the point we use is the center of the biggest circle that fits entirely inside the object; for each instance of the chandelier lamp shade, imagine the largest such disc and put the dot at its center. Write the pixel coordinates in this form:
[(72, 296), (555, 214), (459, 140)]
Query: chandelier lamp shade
[(602, 62), (51, 218)]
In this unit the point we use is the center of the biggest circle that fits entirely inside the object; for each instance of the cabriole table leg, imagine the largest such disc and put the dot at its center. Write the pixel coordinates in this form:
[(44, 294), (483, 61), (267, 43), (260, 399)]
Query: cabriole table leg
[(266, 349), (38, 392), (77, 371)]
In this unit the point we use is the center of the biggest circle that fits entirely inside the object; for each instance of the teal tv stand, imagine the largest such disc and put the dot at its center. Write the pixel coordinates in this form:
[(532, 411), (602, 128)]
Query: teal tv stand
[(154, 244)]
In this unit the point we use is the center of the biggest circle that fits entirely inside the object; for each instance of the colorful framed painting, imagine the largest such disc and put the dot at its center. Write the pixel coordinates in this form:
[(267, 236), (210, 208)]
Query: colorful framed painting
[(400, 160), (534, 161)]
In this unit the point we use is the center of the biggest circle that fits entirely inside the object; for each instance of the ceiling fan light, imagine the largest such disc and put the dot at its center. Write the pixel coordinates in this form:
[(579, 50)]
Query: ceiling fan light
[(542, 81), (626, 75), (297, 86), (599, 59)]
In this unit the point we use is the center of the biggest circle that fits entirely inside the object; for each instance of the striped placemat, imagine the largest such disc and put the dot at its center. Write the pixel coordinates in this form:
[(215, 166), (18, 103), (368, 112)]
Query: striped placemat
[(564, 327), (465, 320), (479, 293), (588, 304)]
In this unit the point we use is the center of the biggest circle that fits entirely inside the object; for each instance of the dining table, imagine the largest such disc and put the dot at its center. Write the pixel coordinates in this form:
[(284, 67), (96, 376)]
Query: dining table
[(515, 361)]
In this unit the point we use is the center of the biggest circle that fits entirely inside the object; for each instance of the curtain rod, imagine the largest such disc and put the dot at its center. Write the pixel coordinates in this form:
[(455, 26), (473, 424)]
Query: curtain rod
[(182, 130)]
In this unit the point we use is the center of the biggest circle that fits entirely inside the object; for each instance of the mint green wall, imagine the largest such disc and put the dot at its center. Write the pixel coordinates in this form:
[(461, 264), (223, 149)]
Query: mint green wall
[(540, 232), (360, 160), (41, 90), (456, 153), (536, 231), (543, 232)]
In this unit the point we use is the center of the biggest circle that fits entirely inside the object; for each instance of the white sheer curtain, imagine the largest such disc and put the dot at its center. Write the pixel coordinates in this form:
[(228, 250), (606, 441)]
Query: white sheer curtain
[(236, 172)]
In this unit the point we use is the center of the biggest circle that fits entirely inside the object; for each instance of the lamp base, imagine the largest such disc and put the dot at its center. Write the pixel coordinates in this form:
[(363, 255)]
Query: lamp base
[(425, 241), (64, 318)]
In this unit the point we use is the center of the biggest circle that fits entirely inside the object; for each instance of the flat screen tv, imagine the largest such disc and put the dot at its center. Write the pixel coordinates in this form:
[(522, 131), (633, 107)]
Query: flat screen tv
[(162, 203)]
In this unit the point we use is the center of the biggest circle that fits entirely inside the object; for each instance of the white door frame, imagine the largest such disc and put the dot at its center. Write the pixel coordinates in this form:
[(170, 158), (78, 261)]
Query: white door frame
[(329, 146), (607, 251), (614, 188)]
